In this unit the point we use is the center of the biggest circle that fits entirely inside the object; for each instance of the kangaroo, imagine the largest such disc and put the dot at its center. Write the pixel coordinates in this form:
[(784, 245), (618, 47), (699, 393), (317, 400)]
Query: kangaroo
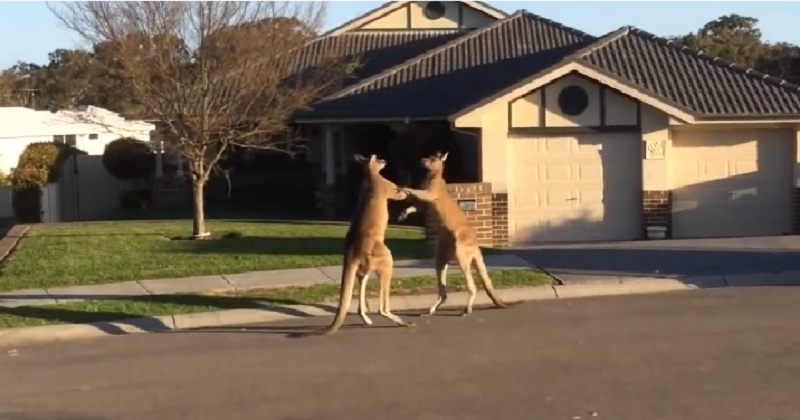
[(365, 251), (456, 238)]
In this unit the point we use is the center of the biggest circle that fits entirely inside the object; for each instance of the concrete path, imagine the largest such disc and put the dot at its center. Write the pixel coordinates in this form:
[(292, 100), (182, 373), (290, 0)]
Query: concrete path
[(710, 354), (736, 261), (303, 277)]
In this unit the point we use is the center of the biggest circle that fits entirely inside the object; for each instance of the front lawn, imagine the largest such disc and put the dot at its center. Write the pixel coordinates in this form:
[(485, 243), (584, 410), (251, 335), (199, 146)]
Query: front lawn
[(133, 307), (105, 252)]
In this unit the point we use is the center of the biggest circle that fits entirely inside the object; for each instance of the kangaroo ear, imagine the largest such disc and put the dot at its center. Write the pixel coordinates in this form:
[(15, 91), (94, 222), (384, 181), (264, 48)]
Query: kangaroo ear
[(360, 159), (444, 156)]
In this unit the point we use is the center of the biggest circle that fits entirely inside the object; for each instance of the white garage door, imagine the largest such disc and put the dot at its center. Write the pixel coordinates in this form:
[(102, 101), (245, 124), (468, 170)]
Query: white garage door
[(732, 183), (580, 188)]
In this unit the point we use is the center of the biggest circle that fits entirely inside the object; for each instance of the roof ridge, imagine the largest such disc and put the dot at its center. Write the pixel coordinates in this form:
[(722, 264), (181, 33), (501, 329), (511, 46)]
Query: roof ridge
[(718, 61), (521, 13), (601, 42), (418, 58), (574, 31)]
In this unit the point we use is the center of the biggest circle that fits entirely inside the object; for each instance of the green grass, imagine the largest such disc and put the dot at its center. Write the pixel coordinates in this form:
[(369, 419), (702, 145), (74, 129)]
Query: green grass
[(133, 307), (106, 252)]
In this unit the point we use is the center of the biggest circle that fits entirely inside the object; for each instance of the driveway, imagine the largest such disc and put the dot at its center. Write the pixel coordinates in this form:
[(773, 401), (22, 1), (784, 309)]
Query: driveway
[(672, 258), (710, 354)]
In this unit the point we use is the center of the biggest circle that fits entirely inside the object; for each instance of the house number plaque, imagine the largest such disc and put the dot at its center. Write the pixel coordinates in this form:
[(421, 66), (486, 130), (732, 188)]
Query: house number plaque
[(468, 205), (655, 149)]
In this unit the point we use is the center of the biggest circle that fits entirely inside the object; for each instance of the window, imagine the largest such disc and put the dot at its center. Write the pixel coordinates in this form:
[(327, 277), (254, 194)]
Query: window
[(435, 10), (93, 136), (69, 139), (573, 100)]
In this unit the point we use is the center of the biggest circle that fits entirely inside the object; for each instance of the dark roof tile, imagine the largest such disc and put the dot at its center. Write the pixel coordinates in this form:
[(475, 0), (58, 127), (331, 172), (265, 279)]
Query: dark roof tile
[(377, 50), (459, 73), (702, 83)]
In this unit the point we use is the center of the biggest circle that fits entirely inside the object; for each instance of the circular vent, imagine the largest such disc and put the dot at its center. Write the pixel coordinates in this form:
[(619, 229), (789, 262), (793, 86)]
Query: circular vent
[(573, 100), (435, 10)]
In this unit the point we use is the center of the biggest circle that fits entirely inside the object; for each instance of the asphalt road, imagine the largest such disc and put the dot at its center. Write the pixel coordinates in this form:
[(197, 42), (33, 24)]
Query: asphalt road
[(711, 354)]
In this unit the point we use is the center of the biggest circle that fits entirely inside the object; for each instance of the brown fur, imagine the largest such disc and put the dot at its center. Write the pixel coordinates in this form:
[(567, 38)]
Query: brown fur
[(456, 239), (365, 250)]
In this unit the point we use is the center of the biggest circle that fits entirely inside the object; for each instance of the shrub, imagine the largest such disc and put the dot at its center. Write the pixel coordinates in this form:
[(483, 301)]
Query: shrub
[(39, 164), (129, 159), (135, 199), (5, 179)]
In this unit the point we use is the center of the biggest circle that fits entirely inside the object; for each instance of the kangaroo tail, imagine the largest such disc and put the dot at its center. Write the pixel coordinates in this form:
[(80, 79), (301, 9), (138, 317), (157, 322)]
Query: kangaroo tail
[(345, 297), (480, 265)]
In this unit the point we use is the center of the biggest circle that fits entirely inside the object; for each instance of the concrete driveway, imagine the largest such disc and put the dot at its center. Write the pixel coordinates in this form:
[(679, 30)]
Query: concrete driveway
[(672, 258)]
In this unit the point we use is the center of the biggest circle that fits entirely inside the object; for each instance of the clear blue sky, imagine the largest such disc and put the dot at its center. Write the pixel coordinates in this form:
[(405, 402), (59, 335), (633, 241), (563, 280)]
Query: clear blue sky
[(29, 31)]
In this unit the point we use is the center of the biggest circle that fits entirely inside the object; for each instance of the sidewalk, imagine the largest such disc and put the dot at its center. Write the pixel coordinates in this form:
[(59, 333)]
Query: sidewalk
[(301, 277)]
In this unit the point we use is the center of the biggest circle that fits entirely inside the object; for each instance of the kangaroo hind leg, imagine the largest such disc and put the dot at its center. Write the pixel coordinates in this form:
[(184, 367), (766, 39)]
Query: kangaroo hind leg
[(465, 264), (385, 271), (480, 265), (363, 305)]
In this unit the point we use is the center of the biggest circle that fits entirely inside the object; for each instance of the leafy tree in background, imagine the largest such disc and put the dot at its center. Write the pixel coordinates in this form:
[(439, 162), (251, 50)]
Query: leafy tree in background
[(738, 39)]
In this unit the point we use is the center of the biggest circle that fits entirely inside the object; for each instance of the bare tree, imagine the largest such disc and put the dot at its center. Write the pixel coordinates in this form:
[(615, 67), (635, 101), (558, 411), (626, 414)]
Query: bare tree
[(214, 74)]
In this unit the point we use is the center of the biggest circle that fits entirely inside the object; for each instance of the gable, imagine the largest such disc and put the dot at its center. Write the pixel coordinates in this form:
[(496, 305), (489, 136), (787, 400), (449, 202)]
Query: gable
[(422, 15), (573, 101)]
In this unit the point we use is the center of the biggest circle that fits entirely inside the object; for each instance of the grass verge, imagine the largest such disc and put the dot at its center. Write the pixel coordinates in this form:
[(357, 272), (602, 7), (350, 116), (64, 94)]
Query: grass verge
[(133, 307), (106, 252)]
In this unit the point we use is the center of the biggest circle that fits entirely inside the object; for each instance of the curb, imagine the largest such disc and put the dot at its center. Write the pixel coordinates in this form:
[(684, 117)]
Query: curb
[(271, 313)]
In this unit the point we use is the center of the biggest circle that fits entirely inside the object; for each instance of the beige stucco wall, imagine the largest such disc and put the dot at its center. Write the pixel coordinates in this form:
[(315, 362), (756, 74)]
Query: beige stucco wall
[(656, 134), (619, 110), (414, 14), (660, 162)]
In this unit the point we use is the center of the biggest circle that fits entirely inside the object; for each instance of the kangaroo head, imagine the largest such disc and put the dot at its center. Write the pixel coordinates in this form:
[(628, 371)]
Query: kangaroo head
[(372, 165), (434, 164)]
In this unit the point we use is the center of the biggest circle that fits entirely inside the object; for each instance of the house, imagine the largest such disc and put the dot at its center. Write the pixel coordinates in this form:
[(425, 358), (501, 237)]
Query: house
[(88, 129), (86, 191), (562, 136)]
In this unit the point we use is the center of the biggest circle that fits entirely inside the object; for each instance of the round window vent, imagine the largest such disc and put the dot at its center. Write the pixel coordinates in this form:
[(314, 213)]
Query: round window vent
[(435, 10), (573, 100)]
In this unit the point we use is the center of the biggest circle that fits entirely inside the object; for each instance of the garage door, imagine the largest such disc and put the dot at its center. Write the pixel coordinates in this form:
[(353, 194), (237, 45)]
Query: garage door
[(732, 183), (584, 188)]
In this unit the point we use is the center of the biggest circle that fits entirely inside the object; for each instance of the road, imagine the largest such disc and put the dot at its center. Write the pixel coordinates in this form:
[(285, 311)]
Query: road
[(710, 354)]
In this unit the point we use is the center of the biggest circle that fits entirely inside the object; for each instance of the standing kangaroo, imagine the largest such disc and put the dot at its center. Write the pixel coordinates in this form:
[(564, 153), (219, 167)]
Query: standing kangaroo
[(365, 251), (456, 238)]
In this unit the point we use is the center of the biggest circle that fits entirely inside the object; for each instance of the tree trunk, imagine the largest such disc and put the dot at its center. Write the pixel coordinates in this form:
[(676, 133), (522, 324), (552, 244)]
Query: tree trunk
[(198, 211)]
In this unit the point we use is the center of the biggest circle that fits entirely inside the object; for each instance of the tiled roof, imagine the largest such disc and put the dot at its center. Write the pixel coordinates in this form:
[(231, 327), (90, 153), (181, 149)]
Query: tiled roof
[(459, 73), (377, 50), (703, 84)]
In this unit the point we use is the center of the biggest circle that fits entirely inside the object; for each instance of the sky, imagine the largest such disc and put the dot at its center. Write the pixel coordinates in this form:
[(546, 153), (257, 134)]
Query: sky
[(29, 31)]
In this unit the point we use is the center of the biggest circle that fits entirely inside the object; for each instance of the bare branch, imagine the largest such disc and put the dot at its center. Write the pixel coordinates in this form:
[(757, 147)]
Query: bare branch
[(215, 74)]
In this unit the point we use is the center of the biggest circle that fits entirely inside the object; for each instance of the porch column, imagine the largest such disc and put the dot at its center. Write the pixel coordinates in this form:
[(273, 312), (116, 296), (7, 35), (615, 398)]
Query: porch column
[(329, 156), (656, 182), (796, 186), (159, 156)]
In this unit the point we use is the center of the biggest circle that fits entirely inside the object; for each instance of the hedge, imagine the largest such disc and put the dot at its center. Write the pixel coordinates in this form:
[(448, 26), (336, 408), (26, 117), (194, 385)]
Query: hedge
[(39, 164)]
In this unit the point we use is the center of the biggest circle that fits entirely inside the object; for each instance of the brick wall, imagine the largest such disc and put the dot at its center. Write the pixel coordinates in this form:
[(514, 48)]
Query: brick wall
[(500, 219), (657, 210), (481, 219)]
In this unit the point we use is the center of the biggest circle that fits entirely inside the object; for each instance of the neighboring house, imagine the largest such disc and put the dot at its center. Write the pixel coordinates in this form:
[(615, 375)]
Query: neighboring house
[(88, 129), (570, 137), (85, 191)]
